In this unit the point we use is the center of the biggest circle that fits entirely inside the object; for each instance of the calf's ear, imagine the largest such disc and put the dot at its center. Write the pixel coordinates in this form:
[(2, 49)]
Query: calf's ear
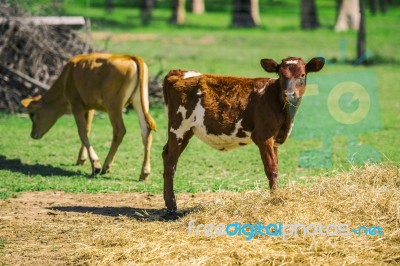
[(31, 103), (315, 64), (26, 102), (269, 65)]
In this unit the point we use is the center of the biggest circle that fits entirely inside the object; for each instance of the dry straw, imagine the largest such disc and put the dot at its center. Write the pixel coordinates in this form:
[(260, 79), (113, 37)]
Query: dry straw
[(367, 196)]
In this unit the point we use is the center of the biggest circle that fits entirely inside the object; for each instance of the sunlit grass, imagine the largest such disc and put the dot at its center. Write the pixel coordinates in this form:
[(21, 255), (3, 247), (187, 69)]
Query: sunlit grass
[(205, 44)]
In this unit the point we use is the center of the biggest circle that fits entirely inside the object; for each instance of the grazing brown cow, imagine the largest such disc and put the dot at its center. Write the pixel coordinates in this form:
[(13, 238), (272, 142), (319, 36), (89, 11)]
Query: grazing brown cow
[(89, 82), (228, 112)]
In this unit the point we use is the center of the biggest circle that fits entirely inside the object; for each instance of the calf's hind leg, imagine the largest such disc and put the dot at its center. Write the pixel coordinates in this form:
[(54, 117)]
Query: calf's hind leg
[(147, 139), (119, 132)]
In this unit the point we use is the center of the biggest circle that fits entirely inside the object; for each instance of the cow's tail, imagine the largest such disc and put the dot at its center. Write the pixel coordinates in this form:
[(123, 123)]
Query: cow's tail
[(143, 83)]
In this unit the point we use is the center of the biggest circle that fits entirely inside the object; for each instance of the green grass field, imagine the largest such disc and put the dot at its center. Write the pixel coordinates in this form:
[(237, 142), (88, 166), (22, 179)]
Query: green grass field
[(207, 44)]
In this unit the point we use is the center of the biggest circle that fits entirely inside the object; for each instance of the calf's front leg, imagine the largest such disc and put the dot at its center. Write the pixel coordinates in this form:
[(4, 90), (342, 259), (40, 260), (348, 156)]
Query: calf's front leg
[(171, 152), (269, 156), (83, 152), (81, 122)]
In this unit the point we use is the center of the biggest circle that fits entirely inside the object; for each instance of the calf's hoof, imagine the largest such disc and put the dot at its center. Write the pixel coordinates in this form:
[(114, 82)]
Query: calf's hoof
[(96, 167), (105, 170), (143, 176), (95, 171), (171, 215)]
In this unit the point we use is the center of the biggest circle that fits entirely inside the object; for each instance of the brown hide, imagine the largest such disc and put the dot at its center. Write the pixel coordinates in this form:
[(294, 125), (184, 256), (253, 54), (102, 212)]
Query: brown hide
[(105, 82), (226, 100), (227, 112)]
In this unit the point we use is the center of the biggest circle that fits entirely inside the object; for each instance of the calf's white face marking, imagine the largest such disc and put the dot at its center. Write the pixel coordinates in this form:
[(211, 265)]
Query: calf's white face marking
[(196, 123), (190, 74), (293, 62)]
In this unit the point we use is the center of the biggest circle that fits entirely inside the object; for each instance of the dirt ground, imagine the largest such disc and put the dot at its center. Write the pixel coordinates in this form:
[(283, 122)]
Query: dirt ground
[(31, 225), (58, 228)]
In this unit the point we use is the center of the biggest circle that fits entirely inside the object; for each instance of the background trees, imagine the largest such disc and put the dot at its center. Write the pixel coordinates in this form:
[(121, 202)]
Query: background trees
[(245, 13), (349, 15), (198, 7), (178, 12), (309, 18), (146, 11)]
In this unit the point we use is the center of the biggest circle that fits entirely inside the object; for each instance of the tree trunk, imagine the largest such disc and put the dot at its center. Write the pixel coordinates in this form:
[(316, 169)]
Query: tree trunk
[(146, 11), (309, 18), (373, 6), (361, 38), (338, 5), (198, 7), (178, 12), (109, 5), (383, 6), (349, 16), (245, 13)]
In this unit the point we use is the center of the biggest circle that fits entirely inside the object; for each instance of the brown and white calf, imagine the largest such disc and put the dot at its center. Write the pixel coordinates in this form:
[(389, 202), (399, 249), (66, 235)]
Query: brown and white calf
[(228, 112), (89, 82)]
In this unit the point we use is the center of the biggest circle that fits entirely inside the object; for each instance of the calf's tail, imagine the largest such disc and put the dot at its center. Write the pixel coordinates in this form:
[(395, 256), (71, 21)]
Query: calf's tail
[(143, 75)]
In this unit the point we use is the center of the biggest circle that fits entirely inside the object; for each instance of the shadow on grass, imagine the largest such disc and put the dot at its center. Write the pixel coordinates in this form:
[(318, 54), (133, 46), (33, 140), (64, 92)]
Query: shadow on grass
[(15, 165), (133, 213)]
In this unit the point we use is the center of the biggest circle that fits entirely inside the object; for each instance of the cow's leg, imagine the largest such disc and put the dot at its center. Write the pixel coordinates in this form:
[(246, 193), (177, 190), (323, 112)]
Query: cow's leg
[(171, 152), (83, 152), (146, 139), (119, 132), (269, 158), (81, 122)]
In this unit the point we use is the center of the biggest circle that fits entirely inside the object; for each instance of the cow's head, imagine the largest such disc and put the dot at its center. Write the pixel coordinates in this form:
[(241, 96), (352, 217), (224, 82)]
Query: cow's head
[(292, 73), (43, 116)]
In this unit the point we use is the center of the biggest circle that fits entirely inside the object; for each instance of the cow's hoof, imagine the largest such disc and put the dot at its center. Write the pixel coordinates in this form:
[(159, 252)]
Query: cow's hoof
[(143, 176)]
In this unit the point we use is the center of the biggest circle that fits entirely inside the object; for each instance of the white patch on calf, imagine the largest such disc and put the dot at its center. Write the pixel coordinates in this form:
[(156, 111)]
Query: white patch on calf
[(190, 74), (290, 130), (182, 110), (222, 142), (92, 154), (196, 122), (291, 62), (187, 123)]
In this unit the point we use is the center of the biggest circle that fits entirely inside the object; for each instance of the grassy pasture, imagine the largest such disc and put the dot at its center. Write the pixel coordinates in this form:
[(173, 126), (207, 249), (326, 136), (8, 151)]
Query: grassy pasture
[(67, 217), (207, 44)]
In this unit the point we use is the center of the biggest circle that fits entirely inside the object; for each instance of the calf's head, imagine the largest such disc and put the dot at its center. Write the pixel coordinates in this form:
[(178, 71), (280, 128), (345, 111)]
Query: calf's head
[(43, 115), (292, 73)]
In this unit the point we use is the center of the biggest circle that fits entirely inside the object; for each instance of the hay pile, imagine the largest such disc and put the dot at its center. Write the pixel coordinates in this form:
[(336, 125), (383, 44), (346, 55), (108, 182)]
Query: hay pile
[(369, 196), (92, 235)]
